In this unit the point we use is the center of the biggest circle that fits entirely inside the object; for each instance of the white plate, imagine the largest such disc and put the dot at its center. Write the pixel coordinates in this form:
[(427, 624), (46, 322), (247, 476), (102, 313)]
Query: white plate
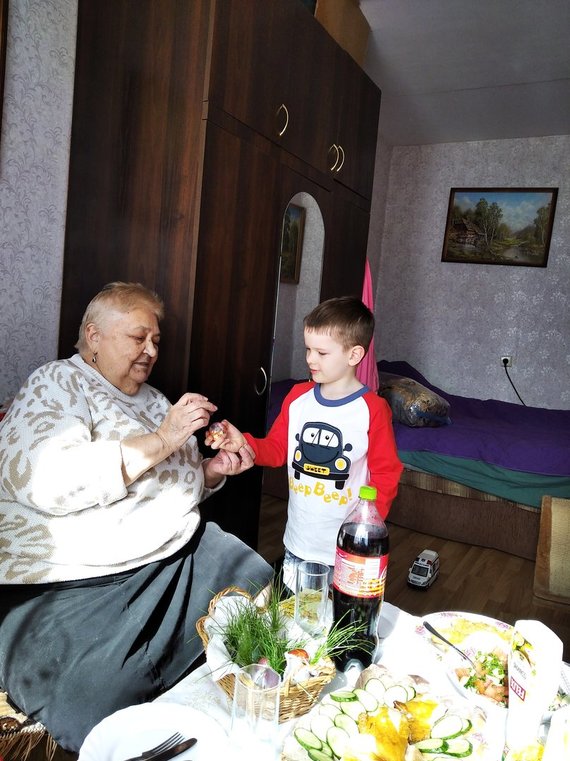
[(132, 730), (472, 633), (486, 734)]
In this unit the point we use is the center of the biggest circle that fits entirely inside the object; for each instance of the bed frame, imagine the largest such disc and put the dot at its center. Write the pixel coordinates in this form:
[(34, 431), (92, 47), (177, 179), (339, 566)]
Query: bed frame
[(433, 505)]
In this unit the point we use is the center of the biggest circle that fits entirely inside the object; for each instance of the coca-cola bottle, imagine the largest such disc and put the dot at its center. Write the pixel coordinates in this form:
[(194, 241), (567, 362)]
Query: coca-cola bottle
[(360, 576)]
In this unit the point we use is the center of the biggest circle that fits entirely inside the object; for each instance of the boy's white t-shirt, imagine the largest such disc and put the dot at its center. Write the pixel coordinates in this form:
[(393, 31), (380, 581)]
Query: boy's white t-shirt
[(332, 448)]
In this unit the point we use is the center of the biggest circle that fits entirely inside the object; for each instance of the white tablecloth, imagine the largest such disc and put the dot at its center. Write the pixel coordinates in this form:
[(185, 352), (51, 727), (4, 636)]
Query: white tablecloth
[(402, 651)]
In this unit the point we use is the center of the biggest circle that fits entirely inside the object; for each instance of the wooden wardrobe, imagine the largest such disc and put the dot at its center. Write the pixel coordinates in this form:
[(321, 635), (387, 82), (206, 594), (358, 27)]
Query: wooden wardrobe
[(194, 123)]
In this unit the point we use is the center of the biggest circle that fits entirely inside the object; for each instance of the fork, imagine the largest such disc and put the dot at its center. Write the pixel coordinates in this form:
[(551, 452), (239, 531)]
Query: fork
[(170, 742), (430, 628)]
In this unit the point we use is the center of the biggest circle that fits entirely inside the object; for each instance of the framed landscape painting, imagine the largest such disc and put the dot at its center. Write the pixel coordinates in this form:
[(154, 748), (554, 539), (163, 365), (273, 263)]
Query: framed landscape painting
[(499, 226)]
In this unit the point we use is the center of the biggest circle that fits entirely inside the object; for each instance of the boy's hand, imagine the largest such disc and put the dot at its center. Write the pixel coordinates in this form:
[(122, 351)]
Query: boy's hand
[(225, 436)]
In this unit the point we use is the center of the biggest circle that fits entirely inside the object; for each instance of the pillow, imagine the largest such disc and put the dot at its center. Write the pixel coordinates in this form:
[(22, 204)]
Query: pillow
[(411, 403)]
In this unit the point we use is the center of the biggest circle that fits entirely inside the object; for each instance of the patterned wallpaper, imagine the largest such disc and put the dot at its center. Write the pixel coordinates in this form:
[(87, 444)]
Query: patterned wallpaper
[(453, 321), (34, 156)]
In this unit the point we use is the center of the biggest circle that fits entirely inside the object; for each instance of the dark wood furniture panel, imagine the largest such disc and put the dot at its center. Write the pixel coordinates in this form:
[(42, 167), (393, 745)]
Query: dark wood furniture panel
[(346, 240), (358, 108), (135, 164), (275, 68)]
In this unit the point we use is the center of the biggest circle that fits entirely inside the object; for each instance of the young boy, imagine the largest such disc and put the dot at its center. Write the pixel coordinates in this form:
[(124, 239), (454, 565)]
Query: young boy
[(334, 433)]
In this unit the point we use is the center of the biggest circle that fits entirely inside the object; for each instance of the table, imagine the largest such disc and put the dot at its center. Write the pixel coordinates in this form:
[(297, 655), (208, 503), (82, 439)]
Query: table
[(402, 651)]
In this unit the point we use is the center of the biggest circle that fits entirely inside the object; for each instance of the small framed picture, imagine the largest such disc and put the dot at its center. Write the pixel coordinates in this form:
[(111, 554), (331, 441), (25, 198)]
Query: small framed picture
[(292, 243), (499, 226)]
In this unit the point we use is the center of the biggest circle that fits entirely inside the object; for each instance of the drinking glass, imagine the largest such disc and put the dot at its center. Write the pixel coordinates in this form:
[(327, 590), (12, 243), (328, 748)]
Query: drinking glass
[(312, 596), (255, 711)]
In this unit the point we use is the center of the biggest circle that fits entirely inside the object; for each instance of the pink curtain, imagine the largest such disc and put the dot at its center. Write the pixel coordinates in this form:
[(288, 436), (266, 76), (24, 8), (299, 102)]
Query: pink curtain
[(367, 372)]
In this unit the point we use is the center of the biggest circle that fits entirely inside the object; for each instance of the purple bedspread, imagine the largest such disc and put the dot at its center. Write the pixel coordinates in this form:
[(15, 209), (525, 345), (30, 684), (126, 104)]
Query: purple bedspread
[(513, 436)]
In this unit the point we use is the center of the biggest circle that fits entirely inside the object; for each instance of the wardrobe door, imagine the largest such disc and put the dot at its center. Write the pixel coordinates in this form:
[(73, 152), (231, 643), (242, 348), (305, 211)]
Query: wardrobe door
[(250, 62), (234, 304), (135, 164), (346, 240), (357, 126)]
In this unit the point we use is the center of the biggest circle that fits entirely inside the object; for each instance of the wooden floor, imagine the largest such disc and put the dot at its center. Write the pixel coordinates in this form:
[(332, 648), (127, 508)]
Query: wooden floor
[(472, 579)]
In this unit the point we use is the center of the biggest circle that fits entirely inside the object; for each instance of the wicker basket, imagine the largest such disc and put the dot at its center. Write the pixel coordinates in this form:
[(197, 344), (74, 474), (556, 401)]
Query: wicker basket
[(294, 699)]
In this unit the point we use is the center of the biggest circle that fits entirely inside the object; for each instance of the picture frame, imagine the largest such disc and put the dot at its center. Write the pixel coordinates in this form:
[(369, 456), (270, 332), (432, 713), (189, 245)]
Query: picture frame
[(3, 45), (509, 226), (292, 243)]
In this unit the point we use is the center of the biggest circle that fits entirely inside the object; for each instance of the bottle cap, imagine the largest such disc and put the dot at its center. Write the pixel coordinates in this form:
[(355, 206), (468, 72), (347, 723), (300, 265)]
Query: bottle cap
[(367, 492)]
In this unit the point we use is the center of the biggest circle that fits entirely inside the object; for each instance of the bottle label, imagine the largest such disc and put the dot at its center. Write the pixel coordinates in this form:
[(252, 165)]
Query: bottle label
[(360, 576)]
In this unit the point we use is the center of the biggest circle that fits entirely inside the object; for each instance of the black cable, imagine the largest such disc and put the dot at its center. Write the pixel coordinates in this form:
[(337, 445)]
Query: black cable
[(510, 381)]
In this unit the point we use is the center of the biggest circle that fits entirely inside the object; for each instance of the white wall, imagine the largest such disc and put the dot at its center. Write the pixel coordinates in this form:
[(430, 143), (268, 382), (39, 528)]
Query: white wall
[(34, 157), (453, 321)]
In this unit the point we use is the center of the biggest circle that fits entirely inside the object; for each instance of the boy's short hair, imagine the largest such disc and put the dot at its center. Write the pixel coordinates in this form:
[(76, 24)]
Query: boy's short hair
[(346, 318)]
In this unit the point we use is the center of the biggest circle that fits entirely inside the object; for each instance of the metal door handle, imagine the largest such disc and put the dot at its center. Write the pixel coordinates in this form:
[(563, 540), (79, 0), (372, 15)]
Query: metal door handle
[(283, 107), (337, 156), (262, 391), (341, 153)]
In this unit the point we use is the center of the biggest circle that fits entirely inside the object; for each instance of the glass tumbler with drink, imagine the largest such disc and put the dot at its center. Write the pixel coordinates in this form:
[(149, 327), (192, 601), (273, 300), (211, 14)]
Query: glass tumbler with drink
[(312, 596)]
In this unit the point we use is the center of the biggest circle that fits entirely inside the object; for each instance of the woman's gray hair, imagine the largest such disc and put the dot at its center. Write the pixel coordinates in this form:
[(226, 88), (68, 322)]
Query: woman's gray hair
[(119, 296)]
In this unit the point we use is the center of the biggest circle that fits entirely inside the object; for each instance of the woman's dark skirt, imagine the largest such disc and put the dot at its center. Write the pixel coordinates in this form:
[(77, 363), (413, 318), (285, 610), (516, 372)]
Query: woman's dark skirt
[(75, 652)]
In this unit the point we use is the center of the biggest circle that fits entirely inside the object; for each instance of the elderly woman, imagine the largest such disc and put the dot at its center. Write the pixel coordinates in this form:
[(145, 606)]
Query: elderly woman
[(105, 565)]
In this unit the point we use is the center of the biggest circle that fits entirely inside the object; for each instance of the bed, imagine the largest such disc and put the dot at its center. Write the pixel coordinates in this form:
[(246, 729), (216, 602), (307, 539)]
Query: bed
[(479, 479)]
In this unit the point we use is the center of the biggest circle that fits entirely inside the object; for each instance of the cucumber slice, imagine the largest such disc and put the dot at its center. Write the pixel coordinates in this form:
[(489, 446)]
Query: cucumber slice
[(375, 687), (346, 722), (338, 741), (307, 739), (448, 727), (432, 745), (396, 694), (368, 701), (330, 709), (458, 747), (411, 691), (343, 696), (322, 755), (353, 708), (320, 724), (466, 725)]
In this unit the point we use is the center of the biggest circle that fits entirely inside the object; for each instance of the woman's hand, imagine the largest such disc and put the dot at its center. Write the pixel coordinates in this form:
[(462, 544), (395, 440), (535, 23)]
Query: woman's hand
[(227, 464), (191, 412), (231, 440)]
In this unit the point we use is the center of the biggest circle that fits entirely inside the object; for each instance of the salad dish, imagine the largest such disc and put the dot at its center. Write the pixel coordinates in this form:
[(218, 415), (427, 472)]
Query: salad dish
[(487, 642), (388, 717)]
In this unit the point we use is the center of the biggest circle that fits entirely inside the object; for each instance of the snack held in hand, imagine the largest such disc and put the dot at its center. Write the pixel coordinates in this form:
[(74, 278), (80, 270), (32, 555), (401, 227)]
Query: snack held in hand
[(217, 431)]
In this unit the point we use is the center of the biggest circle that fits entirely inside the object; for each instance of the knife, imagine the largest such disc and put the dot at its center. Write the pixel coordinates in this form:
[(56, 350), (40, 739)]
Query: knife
[(165, 755)]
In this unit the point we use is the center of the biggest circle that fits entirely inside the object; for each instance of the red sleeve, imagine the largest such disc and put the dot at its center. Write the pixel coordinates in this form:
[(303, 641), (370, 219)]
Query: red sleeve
[(272, 450), (383, 462)]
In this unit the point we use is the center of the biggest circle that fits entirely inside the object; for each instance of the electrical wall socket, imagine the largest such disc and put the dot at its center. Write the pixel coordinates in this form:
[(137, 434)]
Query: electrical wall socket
[(507, 360)]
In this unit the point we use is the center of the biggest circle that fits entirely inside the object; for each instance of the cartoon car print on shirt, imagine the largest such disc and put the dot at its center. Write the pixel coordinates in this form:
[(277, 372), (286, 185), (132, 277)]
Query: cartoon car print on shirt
[(320, 454)]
